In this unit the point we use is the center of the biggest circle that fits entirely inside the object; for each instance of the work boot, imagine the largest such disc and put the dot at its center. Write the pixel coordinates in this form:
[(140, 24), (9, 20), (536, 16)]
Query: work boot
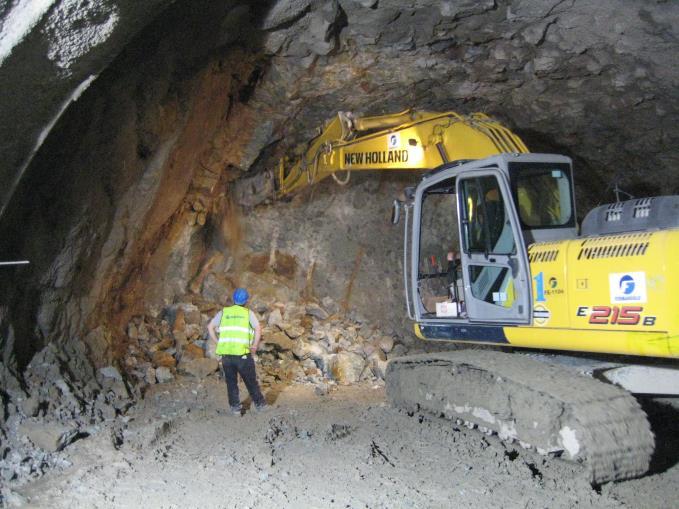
[(260, 409), (236, 410)]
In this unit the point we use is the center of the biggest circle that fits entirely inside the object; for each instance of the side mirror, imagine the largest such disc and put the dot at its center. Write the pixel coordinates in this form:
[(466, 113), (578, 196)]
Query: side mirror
[(395, 212)]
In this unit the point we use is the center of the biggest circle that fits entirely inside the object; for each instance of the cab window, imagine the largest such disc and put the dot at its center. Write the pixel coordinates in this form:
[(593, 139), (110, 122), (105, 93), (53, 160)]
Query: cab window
[(487, 227), (543, 194)]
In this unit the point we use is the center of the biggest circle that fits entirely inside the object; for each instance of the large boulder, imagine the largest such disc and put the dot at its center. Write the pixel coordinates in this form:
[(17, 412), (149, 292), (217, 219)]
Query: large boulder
[(193, 351), (163, 344), (279, 341), (293, 331), (150, 375), (163, 359), (49, 436), (304, 349), (191, 314), (398, 351), (378, 363), (198, 368), (275, 318), (386, 344), (348, 368), (179, 324), (164, 375), (326, 363)]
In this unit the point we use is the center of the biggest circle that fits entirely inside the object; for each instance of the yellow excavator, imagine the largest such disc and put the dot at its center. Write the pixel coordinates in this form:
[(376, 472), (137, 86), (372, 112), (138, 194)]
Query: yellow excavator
[(493, 256)]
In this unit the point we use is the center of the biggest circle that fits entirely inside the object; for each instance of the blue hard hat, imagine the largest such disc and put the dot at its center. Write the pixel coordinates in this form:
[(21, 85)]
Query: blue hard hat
[(240, 296)]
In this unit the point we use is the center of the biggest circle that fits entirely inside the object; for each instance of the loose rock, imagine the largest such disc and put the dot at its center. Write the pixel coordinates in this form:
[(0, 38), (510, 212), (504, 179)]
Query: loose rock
[(164, 375), (348, 368), (316, 311), (279, 340), (46, 435), (386, 344), (163, 359), (198, 368)]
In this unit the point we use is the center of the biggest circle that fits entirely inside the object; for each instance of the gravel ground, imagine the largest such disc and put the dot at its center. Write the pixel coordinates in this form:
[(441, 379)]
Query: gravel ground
[(346, 448)]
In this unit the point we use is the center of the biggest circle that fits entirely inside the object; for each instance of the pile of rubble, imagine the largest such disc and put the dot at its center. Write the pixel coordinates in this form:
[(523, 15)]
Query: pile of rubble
[(159, 348), (302, 342), (61, 397), (58, 399)]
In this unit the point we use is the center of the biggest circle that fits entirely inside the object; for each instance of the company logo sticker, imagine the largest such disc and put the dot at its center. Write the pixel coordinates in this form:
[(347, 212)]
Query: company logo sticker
[(627, 287), (541, 315), (394, 141)]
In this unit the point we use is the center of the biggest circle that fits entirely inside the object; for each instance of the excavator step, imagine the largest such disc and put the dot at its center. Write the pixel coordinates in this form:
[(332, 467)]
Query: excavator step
[(550, 408)]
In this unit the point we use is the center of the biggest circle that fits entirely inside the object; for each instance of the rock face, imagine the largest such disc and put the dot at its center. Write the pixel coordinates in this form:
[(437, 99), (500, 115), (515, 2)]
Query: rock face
[(590, 65)]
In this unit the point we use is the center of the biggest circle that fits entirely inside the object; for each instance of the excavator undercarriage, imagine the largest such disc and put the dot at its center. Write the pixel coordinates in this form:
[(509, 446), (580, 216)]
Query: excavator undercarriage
[(569, 416)]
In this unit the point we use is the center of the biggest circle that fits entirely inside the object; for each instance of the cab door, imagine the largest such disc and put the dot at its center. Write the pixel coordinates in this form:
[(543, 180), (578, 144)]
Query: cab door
[(494, 261)]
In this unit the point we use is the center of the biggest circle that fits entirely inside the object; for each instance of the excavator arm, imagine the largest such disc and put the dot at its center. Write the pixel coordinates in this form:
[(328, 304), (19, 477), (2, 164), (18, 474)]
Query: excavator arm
[(410, 140)]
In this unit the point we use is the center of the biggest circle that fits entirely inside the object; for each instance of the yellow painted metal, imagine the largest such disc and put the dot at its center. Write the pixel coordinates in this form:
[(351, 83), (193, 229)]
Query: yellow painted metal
[(410, 140), (590, 270), (609, 294), (647, 344), (613, 294), (550, 260)]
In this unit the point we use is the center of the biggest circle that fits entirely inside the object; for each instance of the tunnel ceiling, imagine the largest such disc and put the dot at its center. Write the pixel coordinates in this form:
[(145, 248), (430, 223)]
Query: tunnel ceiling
[(594, 80), (162, 105)]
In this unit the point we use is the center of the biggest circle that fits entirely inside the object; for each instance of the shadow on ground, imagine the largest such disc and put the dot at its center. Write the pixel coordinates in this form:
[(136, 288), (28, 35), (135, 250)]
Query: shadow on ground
[(663, 418)]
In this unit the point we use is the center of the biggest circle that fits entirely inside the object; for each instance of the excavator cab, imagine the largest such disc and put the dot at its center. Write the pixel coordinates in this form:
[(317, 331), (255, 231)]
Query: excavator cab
[(466, 242)]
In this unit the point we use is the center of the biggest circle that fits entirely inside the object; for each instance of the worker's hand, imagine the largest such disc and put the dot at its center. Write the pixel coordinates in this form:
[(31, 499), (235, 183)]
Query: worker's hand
[(253, 349)]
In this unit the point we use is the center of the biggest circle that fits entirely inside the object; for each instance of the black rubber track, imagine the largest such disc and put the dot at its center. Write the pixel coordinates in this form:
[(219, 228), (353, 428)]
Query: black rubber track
[(554, 409)]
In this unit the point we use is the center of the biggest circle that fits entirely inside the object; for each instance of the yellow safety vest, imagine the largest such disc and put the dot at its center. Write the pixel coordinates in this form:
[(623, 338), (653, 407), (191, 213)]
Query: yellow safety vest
[(235, 332)]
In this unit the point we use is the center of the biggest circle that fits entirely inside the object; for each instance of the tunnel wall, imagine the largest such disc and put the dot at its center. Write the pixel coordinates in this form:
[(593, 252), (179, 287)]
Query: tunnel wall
[(96, 209)]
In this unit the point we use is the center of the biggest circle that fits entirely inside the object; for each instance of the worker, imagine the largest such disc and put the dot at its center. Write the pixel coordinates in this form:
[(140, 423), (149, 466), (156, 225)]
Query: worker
[(239, 336)]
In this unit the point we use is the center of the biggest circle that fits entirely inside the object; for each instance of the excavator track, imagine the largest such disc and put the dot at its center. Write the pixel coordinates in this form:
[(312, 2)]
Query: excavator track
[(549, 408)]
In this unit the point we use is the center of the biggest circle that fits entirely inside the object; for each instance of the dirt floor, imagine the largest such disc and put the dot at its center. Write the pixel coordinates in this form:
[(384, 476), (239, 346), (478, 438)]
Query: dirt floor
[(346, 448)]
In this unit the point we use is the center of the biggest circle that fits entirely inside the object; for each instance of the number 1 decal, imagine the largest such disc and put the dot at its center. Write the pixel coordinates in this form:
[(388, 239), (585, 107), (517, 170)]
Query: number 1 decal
[(540, 287)]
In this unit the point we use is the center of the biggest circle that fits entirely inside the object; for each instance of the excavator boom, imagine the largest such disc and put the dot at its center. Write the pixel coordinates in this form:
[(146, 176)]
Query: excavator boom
[(410, 140)]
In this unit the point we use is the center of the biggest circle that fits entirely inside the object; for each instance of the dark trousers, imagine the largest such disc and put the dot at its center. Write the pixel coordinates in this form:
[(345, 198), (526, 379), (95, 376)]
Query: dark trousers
[(245, 366)]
